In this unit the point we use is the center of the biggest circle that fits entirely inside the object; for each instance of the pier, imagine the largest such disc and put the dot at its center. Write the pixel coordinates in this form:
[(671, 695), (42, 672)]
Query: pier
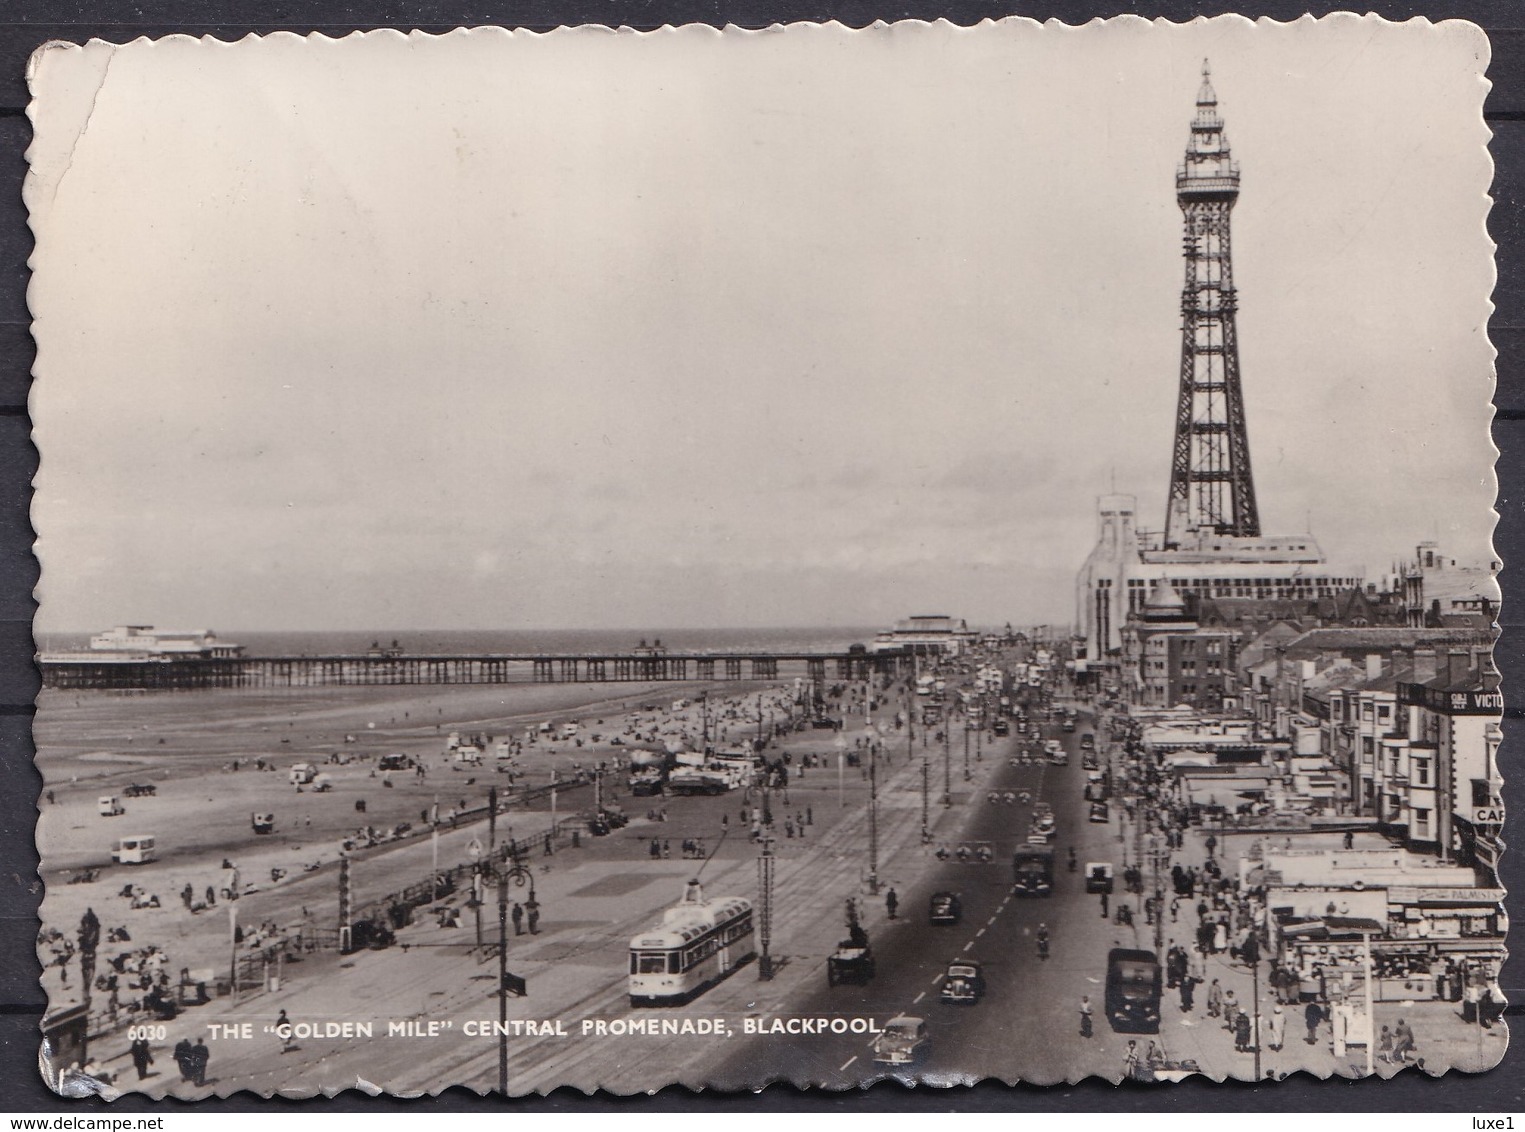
[(641, 666)]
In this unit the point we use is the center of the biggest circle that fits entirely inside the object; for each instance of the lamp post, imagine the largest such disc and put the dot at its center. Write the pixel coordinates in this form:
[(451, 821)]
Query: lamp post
[(765, 906), (510, 869), (947, 766), (873, 810), (840, 742), (926, 832), (966, 748)]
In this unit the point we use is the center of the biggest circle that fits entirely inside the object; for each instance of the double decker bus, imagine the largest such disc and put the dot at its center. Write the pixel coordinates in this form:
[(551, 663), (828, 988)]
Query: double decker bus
[(698, 943)]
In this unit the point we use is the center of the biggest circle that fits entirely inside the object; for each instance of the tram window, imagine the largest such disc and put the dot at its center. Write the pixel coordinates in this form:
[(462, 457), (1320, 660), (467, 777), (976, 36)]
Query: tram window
[(652, 963)]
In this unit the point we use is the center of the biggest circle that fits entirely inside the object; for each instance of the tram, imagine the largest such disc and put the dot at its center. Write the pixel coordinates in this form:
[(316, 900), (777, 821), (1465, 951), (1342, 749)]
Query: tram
[(698, 943)]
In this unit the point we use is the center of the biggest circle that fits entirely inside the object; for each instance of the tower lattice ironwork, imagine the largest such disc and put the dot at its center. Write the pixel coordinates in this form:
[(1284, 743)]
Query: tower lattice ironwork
[(1210, 482)]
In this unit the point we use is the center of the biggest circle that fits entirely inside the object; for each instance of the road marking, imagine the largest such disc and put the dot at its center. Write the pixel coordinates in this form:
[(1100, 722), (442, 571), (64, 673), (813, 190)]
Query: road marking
[(968, 945), (990, 921), (979, 933), (848, 1062), (918, 998), (937, 978)]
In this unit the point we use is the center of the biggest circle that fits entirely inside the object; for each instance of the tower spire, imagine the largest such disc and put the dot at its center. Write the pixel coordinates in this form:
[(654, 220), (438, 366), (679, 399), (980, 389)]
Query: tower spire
[(1211, 485)]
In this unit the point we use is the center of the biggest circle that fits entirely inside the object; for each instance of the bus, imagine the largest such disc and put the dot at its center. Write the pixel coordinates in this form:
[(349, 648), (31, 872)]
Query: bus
[(1133, 991), (698, 943)]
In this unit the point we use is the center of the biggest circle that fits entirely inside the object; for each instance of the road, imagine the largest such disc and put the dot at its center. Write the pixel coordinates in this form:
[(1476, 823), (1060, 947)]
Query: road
[(1028, 1020)]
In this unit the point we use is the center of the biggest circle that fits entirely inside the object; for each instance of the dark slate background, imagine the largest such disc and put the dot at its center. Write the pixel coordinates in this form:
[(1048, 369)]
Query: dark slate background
[(26, 24)]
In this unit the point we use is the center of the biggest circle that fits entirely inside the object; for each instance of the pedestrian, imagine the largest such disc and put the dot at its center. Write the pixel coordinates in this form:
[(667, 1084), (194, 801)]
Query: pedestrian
[(1403, 1042), (1188, 992), (1230, 1009), (1103, 905), (1276, 1026), (1385, 1046), (1350, 839), (1242, 1032), (142, 1057), (517, 915), (548, 850), (666, 850), (211, 896), (1130, 1059), (891, 903), (532, 908), (199, 1057), (283, 1031), (1212, 845), (1312, 1016), (182, 1056), (1085, 1016)]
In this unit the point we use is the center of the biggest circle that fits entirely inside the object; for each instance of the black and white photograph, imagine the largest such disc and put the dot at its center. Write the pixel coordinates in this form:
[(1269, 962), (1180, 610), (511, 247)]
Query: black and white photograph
[(707, 557)]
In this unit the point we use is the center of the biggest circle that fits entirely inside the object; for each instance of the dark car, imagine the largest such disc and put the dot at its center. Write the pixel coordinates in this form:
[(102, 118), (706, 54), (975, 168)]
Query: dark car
[(945, 908), (964, 983), (1100, 812)]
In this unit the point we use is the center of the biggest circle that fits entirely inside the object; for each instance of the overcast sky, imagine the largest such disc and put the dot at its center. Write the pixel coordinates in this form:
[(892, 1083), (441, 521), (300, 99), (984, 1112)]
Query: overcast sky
[(800, 327)]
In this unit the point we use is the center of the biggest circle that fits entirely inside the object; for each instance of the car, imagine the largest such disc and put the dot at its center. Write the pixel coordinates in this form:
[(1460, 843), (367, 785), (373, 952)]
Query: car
[(903, 1042), (1100, 812), (945, 908), (852, 962), (1090, 763), (1098, 876), (964, 983)]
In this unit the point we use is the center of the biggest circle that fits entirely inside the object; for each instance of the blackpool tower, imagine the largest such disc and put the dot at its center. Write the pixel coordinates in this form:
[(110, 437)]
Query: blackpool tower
[(1211, 488)]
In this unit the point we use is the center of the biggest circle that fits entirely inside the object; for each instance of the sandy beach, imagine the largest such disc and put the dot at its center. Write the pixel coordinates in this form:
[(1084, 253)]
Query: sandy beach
[(186, 746)]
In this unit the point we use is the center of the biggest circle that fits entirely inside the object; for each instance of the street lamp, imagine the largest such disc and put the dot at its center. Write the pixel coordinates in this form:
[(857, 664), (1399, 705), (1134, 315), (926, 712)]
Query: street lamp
[(873, 809), (520, 874), (765, 905), (947, 765)]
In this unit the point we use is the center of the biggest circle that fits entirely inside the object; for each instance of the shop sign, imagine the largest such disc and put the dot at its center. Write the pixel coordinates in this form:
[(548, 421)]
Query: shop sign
[(1445, 895)]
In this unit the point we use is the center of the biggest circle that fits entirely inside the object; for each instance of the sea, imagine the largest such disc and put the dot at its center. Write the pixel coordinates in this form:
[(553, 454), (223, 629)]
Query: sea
[(458, 642)]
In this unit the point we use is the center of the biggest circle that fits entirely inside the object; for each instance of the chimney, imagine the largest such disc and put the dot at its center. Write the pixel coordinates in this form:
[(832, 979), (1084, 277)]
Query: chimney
[(1373, 666), (1425, 665), (1458, 666)]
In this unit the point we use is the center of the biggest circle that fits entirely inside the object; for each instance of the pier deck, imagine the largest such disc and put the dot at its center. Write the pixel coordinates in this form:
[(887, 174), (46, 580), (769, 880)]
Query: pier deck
[(506, 668)]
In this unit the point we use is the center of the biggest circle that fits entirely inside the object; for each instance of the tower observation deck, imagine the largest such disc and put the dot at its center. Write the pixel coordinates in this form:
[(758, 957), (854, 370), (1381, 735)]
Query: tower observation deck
[(1211, 487)]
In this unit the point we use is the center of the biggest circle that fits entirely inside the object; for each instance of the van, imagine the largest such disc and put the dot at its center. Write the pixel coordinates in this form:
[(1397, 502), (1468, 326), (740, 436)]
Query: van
[(109, 806), (302, 774), (137, 850)]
